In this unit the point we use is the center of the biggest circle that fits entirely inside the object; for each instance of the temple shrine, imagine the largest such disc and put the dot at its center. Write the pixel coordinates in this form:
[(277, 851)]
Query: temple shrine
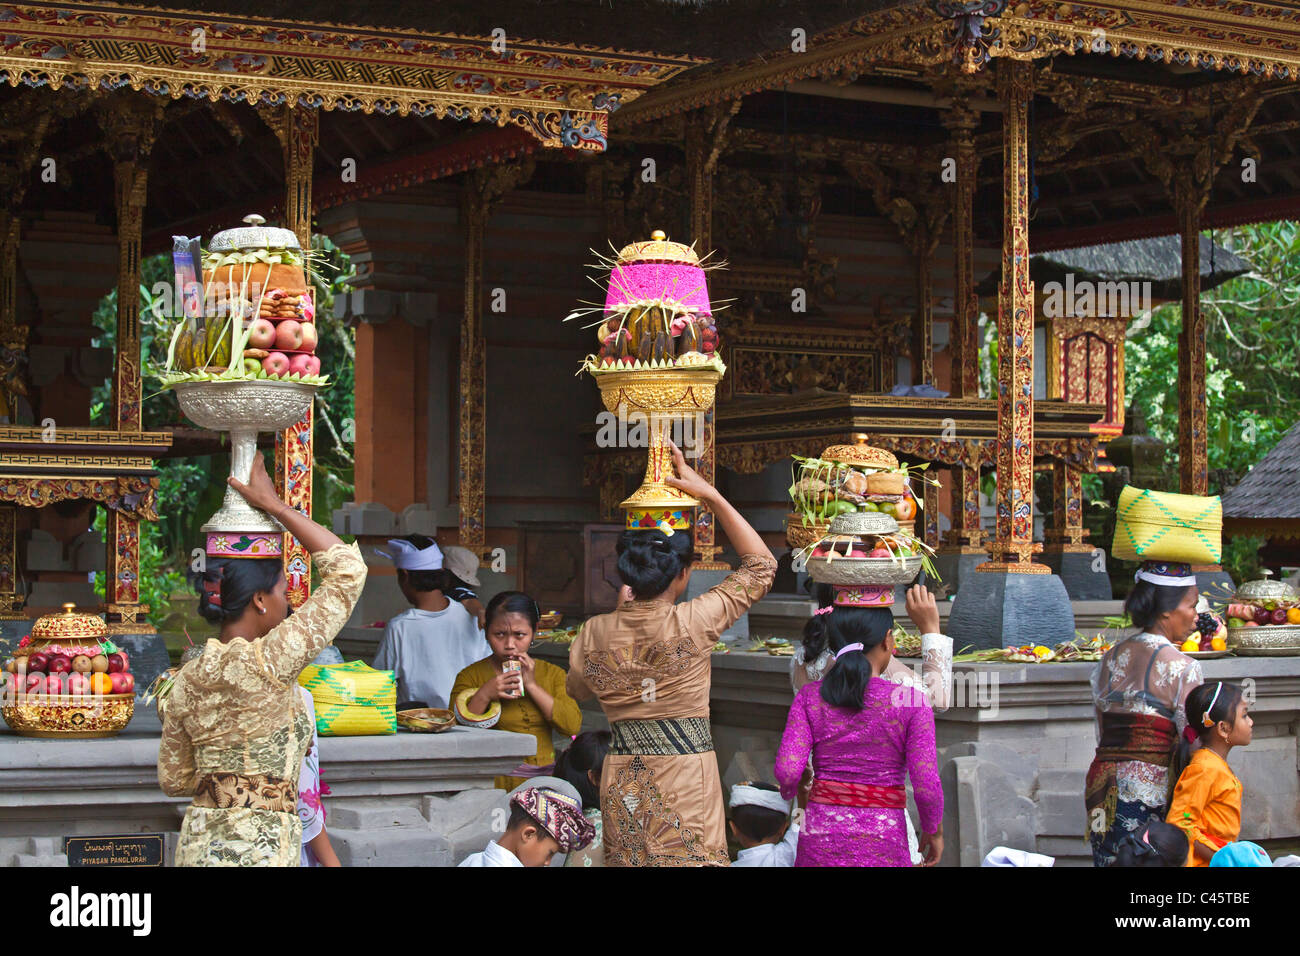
[(883, 180)]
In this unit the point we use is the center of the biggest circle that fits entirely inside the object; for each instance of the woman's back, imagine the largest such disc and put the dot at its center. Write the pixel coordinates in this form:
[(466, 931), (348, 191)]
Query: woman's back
[(652, 659), (868, 746)]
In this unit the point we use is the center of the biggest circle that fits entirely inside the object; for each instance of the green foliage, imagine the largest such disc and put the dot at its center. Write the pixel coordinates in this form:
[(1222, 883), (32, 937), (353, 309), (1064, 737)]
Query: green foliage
[(1252, 372)]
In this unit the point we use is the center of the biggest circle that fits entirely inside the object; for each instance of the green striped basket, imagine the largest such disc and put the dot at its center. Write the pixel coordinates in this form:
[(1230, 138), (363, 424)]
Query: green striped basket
[(352, 700), (1162, 526)]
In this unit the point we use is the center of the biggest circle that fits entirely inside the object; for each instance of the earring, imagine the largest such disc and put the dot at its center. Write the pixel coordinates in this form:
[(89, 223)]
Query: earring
[(261, 610)]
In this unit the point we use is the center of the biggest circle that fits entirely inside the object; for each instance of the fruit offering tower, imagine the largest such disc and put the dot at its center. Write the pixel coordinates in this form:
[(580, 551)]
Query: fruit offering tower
[(657, 358), (244, 363), (66, 679)]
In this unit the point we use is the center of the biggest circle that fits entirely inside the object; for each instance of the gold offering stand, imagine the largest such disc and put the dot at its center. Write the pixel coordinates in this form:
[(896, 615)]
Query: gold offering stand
[(662, 395), (66, 716)]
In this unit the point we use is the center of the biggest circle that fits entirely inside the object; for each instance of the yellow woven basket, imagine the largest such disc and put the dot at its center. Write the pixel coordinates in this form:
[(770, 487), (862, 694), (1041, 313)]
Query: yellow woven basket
[(352, 700), (1161, 526)]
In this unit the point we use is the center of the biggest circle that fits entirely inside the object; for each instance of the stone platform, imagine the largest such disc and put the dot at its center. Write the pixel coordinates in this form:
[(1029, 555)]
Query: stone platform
[(1015, 746), (400, 800)]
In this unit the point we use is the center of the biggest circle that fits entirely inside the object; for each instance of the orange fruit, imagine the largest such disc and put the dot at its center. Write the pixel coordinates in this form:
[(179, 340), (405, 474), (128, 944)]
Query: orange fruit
[(1293, 615), (1190, 645), (100, 684), (1219, 644)]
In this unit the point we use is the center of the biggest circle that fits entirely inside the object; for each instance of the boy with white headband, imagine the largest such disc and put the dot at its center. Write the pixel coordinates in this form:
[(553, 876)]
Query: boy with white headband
[(761, 824), (427, 646)]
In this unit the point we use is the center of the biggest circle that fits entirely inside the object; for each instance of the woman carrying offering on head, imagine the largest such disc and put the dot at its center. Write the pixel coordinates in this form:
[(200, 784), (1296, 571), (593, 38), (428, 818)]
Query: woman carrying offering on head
[(510, 690), (649, 663), (236, 727), (863, 733), (1139, 690)]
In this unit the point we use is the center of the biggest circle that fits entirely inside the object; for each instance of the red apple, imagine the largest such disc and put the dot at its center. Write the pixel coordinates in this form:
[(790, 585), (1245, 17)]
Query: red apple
[(1279, 616), (54, 684), (78, 684), (262, 334), (116, 663), (309, 364), (37, 661), (277, 363), (288, 335), (308, 337), (35, 684), (880, 553), (128, 683), (122, 683), (60, 664)]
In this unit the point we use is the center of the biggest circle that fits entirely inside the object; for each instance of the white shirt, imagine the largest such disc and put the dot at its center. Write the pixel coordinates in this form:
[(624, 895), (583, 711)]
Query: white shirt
[(310, 811), (772, 854), (427, 649), (493, 855)]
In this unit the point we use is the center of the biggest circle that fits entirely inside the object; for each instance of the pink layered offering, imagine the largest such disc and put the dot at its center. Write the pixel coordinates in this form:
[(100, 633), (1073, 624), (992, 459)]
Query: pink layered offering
[(680, 285)]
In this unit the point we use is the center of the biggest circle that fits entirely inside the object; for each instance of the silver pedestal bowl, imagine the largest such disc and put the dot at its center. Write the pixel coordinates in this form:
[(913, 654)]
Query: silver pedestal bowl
[(244, 407)]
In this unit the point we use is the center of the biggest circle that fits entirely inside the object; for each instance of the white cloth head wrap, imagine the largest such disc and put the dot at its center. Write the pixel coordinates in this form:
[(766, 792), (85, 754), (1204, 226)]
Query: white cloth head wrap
[(410, 558), (742, 794)]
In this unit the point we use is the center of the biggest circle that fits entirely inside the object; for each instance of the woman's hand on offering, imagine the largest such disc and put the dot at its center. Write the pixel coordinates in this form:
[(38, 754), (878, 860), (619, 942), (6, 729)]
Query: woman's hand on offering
[(931, 848), (260, 490), (687, 479), (922, 609)]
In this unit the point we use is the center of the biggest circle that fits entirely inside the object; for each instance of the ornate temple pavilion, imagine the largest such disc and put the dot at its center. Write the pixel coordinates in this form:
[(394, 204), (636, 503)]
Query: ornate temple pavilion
[(858, 164)]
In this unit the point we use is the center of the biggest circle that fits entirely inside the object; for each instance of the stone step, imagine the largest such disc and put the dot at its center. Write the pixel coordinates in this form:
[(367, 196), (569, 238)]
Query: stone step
[(1063, 848), (395, 847)]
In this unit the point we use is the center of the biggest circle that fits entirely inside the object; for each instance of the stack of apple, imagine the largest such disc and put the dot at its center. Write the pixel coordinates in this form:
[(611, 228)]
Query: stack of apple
[(283, 337), (73, 671)]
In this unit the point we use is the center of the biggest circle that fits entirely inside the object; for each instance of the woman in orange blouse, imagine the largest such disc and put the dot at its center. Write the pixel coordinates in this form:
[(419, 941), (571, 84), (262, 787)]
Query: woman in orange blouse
[(1206, 801)]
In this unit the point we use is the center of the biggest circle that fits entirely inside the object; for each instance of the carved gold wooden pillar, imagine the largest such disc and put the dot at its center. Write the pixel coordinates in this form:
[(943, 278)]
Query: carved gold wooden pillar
[(923, 327), (1066, 532), (298, 130), (930, 518), (1193, 447), (705, 133), (11, 602), (130, 124), (1014, 546), (965, 533), (480, 190)]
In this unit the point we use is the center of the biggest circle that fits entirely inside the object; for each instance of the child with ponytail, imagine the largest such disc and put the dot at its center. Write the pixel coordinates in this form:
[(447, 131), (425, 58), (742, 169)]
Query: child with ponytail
[(1206, 800), (863, 733)]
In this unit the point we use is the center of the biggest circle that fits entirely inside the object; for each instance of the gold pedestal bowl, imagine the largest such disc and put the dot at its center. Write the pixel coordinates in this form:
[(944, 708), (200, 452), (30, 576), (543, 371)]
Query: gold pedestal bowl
[(662, 396)]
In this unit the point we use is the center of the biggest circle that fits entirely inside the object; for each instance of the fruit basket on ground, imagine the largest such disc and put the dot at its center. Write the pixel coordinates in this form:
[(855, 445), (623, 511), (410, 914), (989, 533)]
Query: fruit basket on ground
[(1264, 620), (66, 679), (865, 548), (658, 360), (849, 479)]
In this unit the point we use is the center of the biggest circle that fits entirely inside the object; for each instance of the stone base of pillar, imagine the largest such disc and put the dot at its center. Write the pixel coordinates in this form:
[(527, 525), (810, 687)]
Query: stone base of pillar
[(957, 565), (1078, 570), (998, 609), (12, 631), (1214, 583), (700, 582), (148, 653)]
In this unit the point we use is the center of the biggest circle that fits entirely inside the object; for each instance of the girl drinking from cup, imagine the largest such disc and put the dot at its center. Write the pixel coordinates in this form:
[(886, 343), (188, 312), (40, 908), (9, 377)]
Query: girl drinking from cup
[(511, 691)]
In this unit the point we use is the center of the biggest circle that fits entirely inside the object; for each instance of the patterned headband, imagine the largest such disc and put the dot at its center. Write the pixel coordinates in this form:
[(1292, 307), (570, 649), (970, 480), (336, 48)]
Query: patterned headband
[(864, 595), (1166, 574)]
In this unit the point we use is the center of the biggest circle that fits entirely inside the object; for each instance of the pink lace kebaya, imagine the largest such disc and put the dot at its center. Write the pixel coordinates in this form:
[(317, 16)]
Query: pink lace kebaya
[(893, 733)]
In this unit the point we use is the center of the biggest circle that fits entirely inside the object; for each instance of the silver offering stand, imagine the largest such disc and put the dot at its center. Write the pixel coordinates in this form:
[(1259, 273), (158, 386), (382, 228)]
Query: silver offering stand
[(244, 407)]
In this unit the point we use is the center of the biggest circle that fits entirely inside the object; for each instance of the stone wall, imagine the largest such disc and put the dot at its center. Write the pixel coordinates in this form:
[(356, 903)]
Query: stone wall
[(399, 800)]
